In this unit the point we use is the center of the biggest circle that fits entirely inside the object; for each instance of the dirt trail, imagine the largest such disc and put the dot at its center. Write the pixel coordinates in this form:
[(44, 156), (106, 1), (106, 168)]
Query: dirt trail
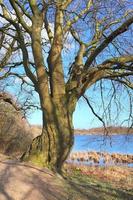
[(24, 182)]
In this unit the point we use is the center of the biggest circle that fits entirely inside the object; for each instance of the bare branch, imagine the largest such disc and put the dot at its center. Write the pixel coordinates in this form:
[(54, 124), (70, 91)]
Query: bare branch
[(123, 28), (118, 60), (71, 22), (93, 111), (20, 16), (23, 10), (7, 55), (124, 81)]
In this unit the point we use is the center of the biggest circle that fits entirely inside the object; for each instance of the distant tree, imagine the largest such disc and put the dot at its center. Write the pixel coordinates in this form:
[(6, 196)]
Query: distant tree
[(41, 35)]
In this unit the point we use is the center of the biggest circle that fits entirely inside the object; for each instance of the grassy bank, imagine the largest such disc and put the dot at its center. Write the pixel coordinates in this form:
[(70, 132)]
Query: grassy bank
[(94, 183)]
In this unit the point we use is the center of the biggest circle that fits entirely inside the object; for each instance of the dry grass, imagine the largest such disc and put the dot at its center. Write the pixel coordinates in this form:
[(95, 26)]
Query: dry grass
[(113, 183), (118, 176)]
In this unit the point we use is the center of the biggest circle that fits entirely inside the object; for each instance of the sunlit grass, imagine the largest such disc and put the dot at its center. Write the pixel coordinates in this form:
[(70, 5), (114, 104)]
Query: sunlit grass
[(110, 183)]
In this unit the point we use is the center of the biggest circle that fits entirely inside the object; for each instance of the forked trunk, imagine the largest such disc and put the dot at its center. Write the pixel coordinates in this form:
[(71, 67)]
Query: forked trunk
[(53, 146)]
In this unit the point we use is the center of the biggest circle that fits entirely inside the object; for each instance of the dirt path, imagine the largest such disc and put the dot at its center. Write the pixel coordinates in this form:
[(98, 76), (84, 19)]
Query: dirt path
[(24, 182)]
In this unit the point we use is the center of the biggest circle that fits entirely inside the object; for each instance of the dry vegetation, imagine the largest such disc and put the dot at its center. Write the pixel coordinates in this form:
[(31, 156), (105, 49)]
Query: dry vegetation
[(111, 183), (93, 157), (118, 176), (15, 133)]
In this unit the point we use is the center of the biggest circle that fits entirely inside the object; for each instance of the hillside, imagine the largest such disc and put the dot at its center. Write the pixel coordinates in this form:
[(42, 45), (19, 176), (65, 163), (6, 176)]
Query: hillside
[(36, 130), (109, 130)]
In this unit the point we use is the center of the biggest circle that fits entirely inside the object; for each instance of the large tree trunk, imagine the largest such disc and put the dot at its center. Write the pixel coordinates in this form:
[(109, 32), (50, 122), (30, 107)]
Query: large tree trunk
[(53, 146)]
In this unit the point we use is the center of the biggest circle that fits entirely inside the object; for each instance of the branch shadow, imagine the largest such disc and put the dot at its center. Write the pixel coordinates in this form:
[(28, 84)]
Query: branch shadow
[(4, 180)]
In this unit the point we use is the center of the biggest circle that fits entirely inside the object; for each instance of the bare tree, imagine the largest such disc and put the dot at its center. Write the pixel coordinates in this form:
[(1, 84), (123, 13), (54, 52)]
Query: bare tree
[(39, 34)]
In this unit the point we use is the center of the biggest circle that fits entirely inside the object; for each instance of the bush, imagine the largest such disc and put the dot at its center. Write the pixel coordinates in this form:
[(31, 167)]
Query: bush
[(15, 133)]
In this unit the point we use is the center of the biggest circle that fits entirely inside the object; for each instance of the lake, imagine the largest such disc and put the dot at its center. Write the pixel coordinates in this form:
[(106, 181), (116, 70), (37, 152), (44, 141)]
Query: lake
[(112, 144)]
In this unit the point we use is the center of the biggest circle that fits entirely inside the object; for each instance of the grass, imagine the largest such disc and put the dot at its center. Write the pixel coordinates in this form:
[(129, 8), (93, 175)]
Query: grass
[(94, 185)]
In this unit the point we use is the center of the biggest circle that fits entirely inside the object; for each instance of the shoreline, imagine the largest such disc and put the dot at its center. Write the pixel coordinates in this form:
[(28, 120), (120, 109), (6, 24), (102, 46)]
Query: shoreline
[(101, 131), (92, 131), (99, 134)]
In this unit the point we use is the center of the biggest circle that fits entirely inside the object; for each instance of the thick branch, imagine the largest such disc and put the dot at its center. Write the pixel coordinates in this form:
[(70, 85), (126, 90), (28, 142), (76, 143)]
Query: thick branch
[(123, 28), (48, 29), (20, 16), (118, 60), (57, 83), (25, 56), (2, 39), (42, 76), (34, 8), (75, 70), (23, 10)]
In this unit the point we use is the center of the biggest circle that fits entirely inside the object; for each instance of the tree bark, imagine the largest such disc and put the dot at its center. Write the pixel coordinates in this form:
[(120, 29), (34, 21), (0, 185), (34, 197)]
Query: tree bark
[(53, 146)]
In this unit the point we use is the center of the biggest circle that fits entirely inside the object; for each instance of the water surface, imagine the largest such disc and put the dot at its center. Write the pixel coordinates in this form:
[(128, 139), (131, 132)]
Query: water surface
[(113, 144)]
